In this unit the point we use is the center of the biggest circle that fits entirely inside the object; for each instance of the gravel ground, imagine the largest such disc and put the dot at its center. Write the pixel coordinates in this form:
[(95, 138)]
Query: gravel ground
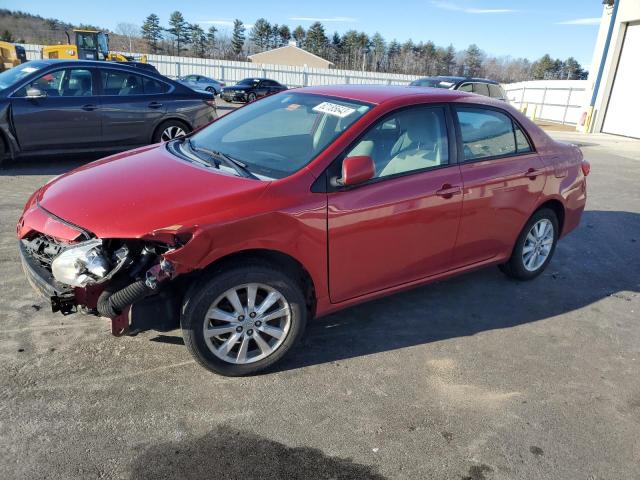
[(473, 378)]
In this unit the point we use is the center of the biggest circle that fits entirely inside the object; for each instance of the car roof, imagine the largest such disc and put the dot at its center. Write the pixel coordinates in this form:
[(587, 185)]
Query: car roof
[(381, 93), (455, 79)]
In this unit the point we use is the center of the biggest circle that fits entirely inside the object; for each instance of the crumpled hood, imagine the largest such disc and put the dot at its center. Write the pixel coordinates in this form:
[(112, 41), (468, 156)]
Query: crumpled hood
[(131, 194)]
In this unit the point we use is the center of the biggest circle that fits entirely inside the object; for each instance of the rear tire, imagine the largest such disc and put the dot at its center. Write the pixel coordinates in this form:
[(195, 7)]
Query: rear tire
[(535, 246), (269, 332), (4, 153), (169, 130)]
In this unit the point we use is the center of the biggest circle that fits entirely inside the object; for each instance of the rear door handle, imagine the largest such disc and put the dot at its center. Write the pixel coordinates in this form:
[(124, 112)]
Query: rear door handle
[(448, 191), (89, 107), (155, 105), (532, 173)]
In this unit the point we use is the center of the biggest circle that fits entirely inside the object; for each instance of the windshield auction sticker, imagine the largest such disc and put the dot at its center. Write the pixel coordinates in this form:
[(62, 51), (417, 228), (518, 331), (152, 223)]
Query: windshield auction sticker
[(334, 109)]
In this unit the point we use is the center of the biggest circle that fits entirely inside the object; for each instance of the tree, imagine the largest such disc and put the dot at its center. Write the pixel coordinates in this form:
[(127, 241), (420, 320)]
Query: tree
[(316, 40), (543, 68), (237, 38), (378, 51), (198, 40), (285, 34), (7, 36), (129, 30), (152, 32), (260, 34), (211, 40), (299, 35), (473, 61), (446, 60), (179, 29)]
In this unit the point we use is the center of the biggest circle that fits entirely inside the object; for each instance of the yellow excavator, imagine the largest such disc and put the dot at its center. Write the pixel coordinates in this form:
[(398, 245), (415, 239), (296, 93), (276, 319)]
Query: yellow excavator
[(11, 55), (88, 45)]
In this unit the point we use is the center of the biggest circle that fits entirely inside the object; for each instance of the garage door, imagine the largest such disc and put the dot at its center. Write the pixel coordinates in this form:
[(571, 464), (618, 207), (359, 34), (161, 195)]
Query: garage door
[(623, 111)]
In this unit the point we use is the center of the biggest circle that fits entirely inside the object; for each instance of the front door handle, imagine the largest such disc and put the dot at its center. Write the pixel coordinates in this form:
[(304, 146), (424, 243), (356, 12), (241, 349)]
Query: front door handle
[(448, 191), (155, 105), (90, 107), (532, 174)]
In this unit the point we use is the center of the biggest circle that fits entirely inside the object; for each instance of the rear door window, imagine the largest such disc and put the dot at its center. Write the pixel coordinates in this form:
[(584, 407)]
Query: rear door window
[(466, 87), (486, 133), (116, 82), (481, 89)]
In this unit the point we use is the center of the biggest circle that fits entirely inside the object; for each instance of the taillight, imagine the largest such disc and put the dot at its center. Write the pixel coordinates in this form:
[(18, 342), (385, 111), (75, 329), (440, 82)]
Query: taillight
[(586, 167)]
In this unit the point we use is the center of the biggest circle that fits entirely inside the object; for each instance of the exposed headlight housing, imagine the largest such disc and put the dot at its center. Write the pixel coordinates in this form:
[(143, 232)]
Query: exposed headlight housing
[(81, 264)]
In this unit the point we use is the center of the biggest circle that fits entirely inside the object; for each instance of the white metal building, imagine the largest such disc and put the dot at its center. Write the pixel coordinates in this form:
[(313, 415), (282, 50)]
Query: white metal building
[(613, 96)]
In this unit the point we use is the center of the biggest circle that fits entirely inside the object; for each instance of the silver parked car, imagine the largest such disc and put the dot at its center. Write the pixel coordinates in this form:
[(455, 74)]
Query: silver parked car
[(200, 82)]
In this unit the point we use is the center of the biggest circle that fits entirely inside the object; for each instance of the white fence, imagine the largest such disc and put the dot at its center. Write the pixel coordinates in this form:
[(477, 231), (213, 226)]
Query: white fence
[(552, 100), (230, 72)]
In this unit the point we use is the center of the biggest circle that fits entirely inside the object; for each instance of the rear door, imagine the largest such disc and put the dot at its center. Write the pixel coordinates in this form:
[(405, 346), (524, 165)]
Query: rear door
[(67, 117), (401, 225), (132, 106), (503, 178)]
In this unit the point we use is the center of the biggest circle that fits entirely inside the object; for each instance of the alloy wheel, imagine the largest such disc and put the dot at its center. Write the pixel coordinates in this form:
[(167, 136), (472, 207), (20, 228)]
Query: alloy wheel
[(171, 132), (537, 245), (247, 323)]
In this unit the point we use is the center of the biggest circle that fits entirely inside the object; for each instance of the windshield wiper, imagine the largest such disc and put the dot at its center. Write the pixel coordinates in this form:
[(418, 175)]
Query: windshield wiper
[(234, 163)]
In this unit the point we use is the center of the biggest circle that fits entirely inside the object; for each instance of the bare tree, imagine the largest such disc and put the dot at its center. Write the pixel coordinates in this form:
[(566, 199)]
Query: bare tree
[(129, 30)]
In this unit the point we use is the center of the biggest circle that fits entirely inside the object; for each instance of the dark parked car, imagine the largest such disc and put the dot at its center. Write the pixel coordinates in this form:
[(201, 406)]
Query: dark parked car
[(299, 205), (200, 82), (481, 86), (250, 89), (56, 106)]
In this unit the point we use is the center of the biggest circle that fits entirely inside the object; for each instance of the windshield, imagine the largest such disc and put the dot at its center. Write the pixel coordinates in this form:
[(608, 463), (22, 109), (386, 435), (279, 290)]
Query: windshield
[(279, 135), (15, 74), (431, 82)]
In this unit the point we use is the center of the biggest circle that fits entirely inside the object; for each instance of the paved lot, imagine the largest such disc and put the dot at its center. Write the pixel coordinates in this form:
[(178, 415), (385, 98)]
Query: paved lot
[(474, 378)]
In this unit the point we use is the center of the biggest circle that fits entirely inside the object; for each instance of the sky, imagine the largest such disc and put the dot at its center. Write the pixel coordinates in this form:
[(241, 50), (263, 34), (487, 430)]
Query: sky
[(517, 28)]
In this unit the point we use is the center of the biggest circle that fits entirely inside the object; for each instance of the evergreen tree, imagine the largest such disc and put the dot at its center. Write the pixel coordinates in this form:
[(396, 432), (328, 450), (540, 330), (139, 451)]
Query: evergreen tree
[(211, 40), (198, 40), (237, 38), (473, 61), (260, 34), (152, 32), (542, 68), (316, 40), (299, 35), (285, 34), (179, 29)]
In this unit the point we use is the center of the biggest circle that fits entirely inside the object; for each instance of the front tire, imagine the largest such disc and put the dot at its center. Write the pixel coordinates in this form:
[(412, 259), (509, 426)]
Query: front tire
[(243, 320), (251, 98), (535, 246)]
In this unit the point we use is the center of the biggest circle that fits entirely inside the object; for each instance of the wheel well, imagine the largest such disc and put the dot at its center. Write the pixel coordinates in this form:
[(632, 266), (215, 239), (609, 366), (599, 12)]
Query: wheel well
[(557, 208), (276, 259)]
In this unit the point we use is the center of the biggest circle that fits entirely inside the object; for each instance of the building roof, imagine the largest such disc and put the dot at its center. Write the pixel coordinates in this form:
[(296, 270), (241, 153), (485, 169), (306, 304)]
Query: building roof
[(256, 56)]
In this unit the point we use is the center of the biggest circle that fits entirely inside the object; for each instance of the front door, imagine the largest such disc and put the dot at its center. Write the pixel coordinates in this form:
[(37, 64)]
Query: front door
[(503, 178), (401, 225), (132, 105), (66, 117)]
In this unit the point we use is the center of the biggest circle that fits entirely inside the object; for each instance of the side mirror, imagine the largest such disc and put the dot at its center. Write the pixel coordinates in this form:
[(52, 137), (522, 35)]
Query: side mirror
[(33, 92), (357, 169)]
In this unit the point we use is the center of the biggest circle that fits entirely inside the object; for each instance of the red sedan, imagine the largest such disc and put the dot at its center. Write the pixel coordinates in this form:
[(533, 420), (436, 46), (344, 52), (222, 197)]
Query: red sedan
[(298, 205)]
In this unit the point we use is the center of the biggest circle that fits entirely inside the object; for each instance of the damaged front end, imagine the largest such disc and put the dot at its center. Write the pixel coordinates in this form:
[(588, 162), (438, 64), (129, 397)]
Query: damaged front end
[(106, 277)]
